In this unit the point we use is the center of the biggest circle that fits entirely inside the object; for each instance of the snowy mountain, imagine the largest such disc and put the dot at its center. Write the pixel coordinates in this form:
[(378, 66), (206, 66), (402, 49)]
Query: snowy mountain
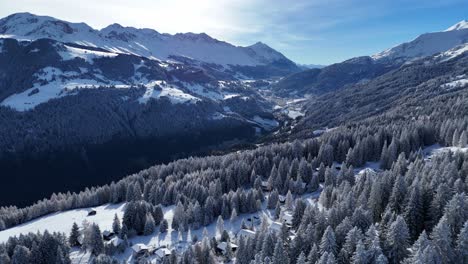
[(449, 43), (143, 42), (427, 44)]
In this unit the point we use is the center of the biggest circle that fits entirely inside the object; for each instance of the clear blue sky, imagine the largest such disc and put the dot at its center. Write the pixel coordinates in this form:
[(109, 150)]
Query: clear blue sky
[(307, 31)]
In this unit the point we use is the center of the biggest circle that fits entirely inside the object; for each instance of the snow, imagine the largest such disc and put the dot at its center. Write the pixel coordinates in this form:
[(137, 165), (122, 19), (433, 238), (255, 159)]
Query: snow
[(86, 54), (161, 89), (38, 94), (266, 123), (437, 150), (143, 42), (63, 221), (453, 53), (458, 26), (426, 45), (456, 83)]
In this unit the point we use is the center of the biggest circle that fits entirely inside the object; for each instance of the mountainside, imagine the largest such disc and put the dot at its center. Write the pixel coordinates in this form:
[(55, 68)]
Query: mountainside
[(362, 69), (143, 42), (133, 95), (405, 91), (427, 44)]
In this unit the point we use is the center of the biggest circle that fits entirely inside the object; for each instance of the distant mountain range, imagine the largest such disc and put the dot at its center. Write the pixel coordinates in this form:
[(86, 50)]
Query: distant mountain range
[(363, 69)]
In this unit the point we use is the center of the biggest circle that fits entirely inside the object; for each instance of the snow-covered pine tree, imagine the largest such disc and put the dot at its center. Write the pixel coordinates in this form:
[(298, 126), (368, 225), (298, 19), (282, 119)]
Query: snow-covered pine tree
[(74, 235)]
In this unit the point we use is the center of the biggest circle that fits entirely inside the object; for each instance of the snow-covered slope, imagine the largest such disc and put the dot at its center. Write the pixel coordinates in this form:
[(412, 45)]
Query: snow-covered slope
[(143, 42), (427, 44)]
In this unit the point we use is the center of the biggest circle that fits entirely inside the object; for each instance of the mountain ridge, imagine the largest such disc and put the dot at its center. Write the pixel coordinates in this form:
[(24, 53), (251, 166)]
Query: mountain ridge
[(140, 41)]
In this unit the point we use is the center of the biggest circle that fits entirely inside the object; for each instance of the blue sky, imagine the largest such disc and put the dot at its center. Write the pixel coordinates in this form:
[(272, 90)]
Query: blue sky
[(306, 31)]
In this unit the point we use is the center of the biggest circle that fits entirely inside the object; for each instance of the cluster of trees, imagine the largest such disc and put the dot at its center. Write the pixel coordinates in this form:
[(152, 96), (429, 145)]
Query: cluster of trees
[(36, 249)]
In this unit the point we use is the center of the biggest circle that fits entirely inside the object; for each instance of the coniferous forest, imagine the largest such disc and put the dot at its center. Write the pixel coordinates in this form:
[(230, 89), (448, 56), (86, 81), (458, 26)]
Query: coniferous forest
[(374, 171)]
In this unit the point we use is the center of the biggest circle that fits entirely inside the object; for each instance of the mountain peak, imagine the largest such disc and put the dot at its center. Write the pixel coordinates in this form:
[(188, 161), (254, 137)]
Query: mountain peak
[(459, 26)]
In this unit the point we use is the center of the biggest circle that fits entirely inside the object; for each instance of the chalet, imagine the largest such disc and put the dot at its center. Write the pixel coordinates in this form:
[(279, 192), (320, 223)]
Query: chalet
[(162, 253), (107, 235), (140, 250), (265, 186), (246, 233), (287, 218), (282, 199), (275, 227), (254, 220), (115, 241), (222, 246), (92, 212)]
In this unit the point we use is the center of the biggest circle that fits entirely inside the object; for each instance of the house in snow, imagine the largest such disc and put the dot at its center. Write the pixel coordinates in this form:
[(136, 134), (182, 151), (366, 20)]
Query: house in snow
[(92, 212), (282, 199), (265, 186), (275, 227), (162, 253), (107, 235), (115, 241), (287, 218), (246, 233), (140, 250), (222, 246)]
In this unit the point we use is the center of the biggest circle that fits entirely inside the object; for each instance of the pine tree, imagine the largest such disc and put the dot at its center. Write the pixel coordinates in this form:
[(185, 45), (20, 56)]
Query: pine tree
[(163, 226), (301, 259), (279, 254), (93, 240), (116, 225), (313, 254), (328, 242), (360, 255), (462, 244), (289, 201), (220, 225), (414, 214), (123, 231), (233, 216), (442, 239), (397, 240), (272, 199), (150, 226), (21, 255), (74, 235)]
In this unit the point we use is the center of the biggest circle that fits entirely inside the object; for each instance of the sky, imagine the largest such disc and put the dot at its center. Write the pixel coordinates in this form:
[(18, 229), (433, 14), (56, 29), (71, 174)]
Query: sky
[(306, 31)]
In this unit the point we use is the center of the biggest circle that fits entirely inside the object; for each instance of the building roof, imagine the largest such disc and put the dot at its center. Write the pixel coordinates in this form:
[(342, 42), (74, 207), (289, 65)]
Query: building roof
[(246, 232), (276, 226), (116, 241), (162, 252), (139, 247)]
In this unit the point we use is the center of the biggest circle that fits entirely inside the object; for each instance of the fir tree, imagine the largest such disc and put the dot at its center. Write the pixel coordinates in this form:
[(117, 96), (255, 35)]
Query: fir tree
[(397, 240), (328, 242), (74, 235), (116, 225)]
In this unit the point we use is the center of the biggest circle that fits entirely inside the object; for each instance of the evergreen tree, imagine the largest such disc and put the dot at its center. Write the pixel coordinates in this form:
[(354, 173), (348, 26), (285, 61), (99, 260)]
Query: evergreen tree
[(280, 255), (74, 235), (360, 255), (116, 225), (462, 244), (21, 255), (301, 259), (313, 255), (442, 239), (163, 226), (328, 242), (150, 226), (93, 240), (397, 240)]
